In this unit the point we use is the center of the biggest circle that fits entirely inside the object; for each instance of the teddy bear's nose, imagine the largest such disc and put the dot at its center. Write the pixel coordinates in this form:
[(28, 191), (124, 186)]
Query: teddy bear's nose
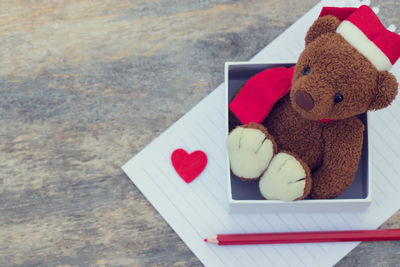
[(304, 100)]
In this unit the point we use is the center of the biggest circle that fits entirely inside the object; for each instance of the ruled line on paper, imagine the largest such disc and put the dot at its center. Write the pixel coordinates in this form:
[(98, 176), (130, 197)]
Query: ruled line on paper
[(392, 185), (201, 129), (202, 233), (182, 215), (381, 192)]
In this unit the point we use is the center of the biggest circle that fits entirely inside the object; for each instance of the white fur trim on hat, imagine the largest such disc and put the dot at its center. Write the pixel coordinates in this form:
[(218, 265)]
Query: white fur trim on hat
[(365, 46)]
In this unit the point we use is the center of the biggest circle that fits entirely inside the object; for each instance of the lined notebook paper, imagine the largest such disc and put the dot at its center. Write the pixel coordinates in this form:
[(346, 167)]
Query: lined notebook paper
[(200, 209)]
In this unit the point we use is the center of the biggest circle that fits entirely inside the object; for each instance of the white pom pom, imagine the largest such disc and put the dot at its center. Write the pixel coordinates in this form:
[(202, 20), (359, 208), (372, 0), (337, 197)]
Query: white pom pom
[(375, 9), (392, 28)]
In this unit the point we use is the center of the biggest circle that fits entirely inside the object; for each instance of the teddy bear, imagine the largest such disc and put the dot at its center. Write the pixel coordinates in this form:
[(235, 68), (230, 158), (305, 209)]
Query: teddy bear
[(296, 130)]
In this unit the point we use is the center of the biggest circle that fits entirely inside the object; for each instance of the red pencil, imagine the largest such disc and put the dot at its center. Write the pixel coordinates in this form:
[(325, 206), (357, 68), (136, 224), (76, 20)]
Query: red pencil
[(304, 237)]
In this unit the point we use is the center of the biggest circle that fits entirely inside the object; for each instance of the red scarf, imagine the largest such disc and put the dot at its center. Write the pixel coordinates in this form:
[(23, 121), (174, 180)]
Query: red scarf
[(260, 93)]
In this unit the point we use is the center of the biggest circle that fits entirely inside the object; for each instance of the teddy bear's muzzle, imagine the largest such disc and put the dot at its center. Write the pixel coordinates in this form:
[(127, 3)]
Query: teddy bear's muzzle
[(304, 100)]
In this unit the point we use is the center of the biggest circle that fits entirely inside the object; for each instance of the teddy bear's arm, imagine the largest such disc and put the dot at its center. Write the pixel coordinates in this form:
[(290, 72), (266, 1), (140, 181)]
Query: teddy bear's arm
[(342, 151)]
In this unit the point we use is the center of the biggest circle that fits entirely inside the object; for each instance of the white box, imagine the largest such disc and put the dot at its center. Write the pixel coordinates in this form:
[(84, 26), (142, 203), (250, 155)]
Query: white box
[(245, 196)]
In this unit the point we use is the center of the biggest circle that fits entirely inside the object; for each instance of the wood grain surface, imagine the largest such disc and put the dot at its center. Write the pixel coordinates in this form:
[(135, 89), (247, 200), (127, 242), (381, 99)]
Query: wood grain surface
[(85, 85)]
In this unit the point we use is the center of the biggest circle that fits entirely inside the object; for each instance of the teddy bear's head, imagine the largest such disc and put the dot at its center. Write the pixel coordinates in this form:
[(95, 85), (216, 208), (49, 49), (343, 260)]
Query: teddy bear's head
[(333, 80)]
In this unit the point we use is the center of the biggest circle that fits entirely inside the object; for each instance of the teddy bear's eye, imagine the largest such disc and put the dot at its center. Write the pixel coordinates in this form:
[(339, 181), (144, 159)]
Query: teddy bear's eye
[(338, 98), (306, 70)]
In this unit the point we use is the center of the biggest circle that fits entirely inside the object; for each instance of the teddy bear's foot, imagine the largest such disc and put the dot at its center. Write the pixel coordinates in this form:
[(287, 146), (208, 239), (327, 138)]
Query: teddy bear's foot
[(250, 149), (286, 178)]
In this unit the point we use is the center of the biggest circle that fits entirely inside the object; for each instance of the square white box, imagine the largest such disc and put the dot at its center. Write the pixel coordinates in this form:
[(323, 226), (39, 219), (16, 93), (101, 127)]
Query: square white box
[(245, 196)]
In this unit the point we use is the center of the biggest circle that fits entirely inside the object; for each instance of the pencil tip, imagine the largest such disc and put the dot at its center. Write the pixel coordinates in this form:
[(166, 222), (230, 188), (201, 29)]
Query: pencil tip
[(205, 240)]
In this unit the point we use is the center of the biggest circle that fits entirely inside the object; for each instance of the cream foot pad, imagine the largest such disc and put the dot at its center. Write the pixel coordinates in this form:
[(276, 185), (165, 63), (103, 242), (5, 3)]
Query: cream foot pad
[(250, 152), (285, 178)]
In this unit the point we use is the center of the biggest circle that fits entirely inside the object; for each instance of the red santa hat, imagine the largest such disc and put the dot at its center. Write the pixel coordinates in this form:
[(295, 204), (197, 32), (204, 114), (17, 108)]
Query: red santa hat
[(363, 30)]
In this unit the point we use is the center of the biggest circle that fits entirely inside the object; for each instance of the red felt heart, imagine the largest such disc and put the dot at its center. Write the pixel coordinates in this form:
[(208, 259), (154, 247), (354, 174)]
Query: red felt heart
[(188, 166)]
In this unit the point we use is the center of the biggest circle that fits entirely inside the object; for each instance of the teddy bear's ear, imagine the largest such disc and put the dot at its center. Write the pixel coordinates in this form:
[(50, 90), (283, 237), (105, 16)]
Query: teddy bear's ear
[(385, 92), (321, 26)]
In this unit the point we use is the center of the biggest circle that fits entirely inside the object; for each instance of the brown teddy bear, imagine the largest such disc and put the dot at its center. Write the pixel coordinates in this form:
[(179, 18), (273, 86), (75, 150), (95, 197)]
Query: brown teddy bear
[(309, 142)]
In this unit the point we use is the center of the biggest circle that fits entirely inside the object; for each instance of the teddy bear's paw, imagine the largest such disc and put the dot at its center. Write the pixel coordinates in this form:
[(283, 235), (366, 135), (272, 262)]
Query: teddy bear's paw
[(250, 152), (285, 179)]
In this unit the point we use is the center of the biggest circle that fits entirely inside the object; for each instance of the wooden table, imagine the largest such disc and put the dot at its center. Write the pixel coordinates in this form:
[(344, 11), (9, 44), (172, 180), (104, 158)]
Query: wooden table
[(85, 85)]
